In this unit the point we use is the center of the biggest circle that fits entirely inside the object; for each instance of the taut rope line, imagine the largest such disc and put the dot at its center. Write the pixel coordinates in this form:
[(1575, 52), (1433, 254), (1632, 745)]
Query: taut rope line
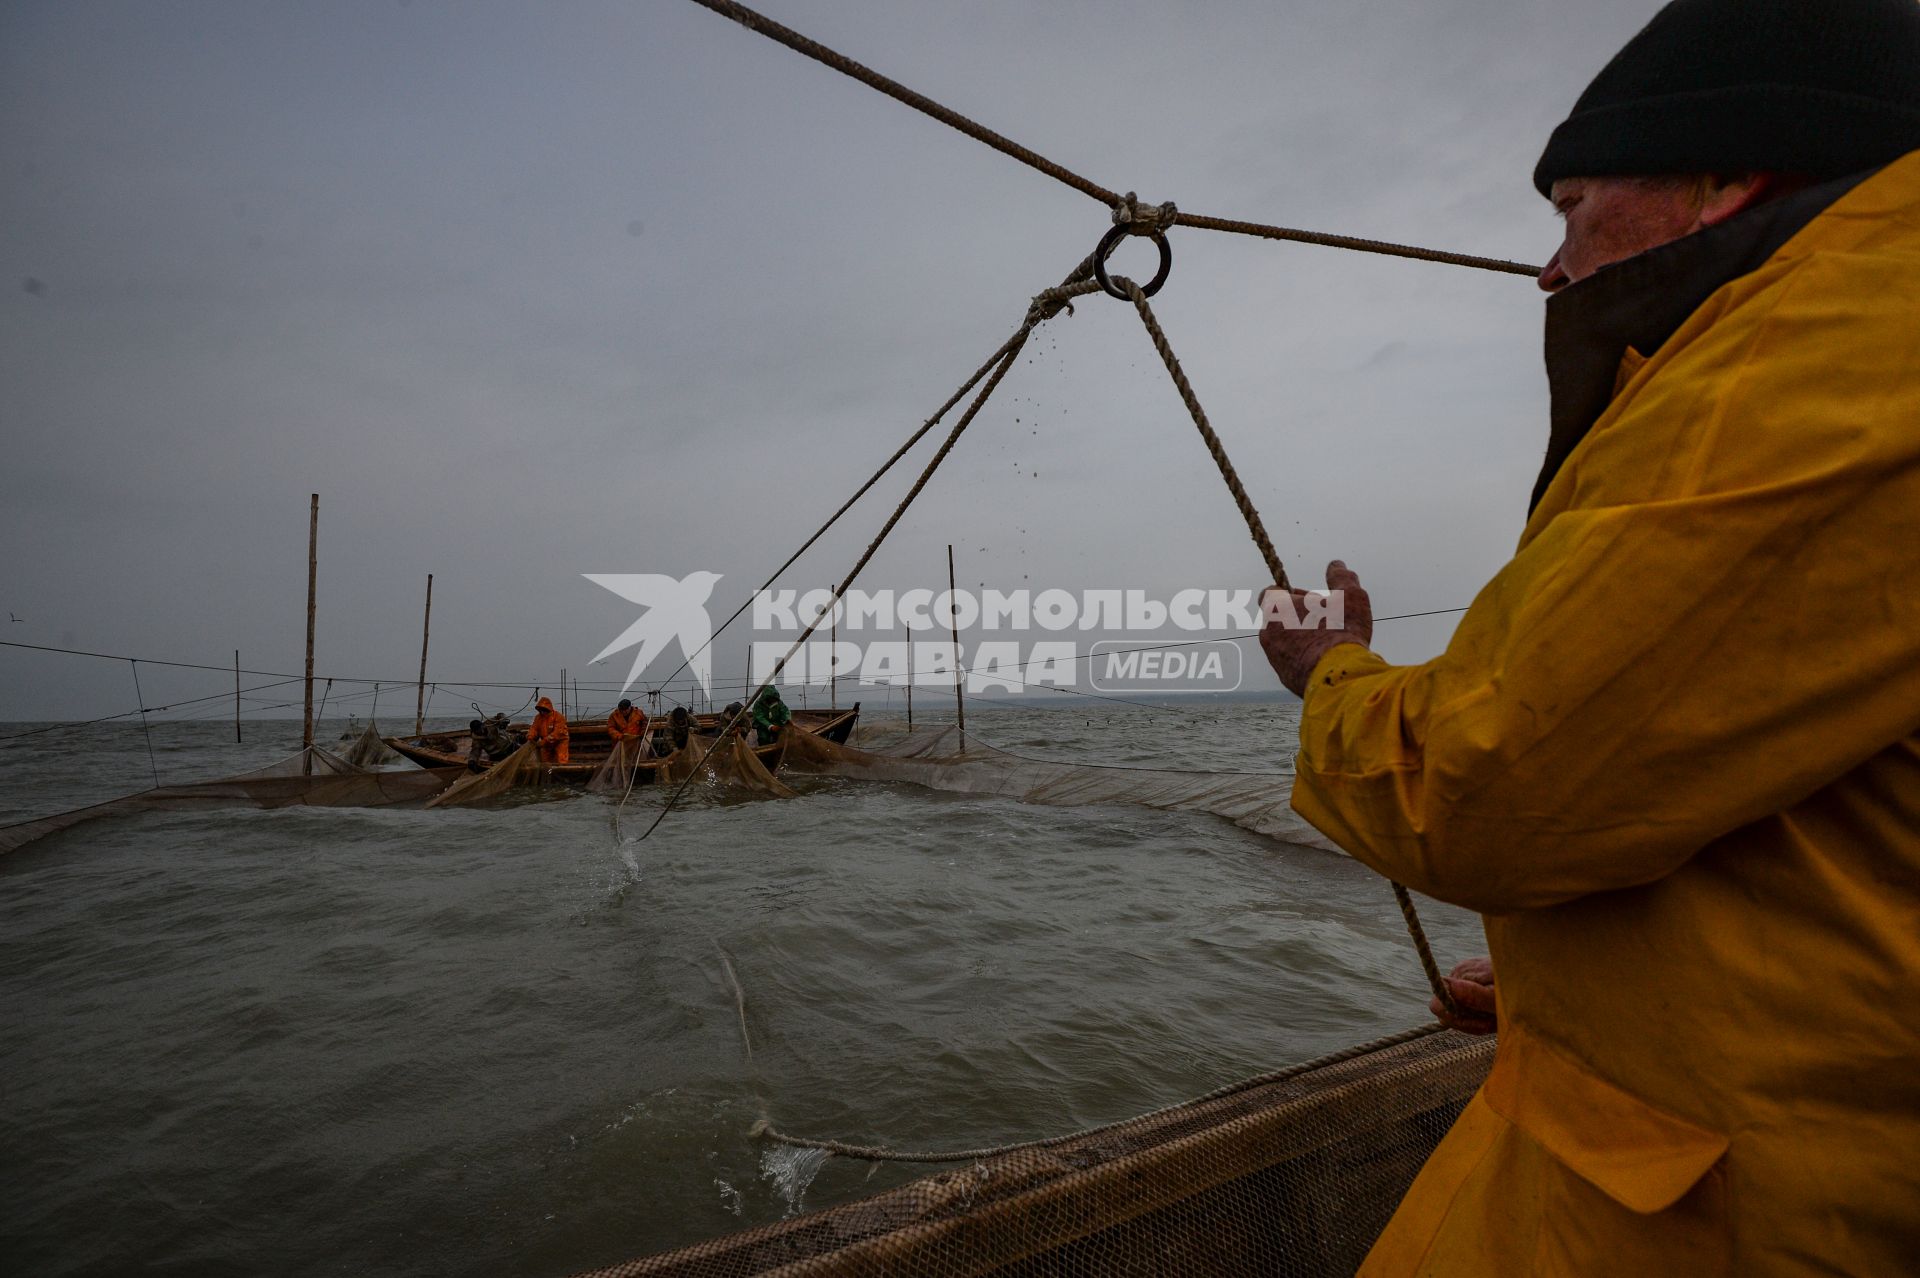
[(765, 1130), (759, 22), (145, 728), (1047, 304), (1043, 307), (847, 505), (1279, 573)]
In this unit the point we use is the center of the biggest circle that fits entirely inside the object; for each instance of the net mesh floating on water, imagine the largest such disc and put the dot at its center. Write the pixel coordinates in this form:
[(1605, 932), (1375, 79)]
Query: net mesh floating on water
[(369, 749), (943, 759), (1293, 1175), (329, 781)]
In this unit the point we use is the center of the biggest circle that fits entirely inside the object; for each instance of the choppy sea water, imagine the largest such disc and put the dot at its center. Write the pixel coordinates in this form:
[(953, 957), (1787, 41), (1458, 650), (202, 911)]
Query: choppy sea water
[(502, 1040)]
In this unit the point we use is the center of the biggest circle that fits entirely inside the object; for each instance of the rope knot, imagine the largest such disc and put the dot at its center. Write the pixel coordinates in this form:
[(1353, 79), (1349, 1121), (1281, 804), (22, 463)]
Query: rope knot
[(1144, 219), (1048, 303)]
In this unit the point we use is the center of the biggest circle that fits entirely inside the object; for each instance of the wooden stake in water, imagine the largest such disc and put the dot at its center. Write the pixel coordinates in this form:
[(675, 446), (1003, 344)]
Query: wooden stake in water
[(236, 696), (420, 701), (953, 615), (313, 580)]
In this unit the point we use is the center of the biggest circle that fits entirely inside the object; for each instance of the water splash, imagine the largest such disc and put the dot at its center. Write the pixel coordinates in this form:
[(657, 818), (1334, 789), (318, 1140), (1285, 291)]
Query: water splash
[(792, 1171)]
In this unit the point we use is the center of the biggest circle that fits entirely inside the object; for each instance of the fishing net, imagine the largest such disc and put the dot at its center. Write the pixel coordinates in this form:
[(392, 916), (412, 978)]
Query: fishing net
[(522, 767), (331, 782), (730, 763), (617, 774), (324, 763), (369, 750), (1292, 1174), (938, 759)]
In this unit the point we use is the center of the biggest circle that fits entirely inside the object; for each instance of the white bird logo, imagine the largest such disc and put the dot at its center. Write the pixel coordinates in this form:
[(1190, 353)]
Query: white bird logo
[(674, 609)]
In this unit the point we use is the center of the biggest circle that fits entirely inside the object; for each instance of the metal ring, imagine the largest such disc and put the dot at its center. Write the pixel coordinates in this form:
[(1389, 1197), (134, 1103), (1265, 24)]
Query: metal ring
[(1110, 241)]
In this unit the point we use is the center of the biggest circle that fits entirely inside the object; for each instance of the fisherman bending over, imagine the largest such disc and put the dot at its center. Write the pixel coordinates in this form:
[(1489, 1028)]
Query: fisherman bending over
[(549, 732), (1672, 752), (487, 743), (680, 726), (628, 722), (770, 716)]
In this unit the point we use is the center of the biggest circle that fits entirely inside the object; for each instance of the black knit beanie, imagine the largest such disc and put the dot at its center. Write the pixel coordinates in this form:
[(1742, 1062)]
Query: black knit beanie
[(1815, 87)]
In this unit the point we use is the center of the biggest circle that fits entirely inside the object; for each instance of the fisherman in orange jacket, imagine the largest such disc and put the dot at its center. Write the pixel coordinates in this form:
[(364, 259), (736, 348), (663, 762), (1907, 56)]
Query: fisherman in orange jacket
[(1672, 752), (549, 731), (628, 722)]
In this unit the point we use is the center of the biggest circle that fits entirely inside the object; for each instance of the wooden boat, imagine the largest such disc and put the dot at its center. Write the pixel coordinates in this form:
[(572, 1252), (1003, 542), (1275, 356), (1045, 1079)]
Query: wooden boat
[(589, 746)]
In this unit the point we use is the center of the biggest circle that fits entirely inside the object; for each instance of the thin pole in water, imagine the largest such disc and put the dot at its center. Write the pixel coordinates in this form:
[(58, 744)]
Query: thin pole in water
[(833, 662), (426, 627), (909, 680), (953, 615), (141, 698), (313, 581), (236, 696)]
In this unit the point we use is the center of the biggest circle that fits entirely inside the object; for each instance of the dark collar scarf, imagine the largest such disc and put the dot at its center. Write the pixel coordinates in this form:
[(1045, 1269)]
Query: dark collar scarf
[(1641, 301)]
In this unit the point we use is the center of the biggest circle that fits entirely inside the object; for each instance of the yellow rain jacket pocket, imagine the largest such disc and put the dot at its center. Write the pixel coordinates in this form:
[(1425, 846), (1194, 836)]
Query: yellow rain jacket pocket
[(1553, 1170), (1641, 1157)]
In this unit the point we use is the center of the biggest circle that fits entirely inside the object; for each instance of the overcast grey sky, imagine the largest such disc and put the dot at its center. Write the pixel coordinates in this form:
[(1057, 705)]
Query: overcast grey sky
[(529, 291)]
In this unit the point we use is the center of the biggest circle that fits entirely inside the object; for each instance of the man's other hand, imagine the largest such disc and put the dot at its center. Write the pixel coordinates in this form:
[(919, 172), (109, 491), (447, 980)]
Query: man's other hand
[(1471, 984), (1295, 634)]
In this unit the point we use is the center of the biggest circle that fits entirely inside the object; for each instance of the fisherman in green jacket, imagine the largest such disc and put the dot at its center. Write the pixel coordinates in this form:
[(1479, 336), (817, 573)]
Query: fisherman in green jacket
[(770, 715)]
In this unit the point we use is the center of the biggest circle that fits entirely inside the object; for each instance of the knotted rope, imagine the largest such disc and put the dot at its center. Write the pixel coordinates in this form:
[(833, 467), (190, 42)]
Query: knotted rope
[(1049, 302), (1143, 219)]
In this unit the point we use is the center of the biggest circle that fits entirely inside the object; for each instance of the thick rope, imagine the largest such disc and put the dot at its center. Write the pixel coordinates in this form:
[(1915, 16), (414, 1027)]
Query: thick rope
[(1208, 436), (1259, 530), (1358, 245), (847, 505), (840, 62), (880, 1154), (1047, 304), (1013, 349)]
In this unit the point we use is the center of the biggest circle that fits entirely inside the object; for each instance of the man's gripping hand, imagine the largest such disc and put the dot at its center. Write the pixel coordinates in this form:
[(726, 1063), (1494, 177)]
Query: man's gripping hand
[(1471, 984), (1297, 633)]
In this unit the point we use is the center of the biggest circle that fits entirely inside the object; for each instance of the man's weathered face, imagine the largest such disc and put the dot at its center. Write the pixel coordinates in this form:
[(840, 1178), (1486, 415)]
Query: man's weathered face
[(1610, 219)]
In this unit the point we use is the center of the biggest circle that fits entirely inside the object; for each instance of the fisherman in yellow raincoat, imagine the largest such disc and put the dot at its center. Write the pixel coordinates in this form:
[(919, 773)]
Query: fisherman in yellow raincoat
[(1672, 753)]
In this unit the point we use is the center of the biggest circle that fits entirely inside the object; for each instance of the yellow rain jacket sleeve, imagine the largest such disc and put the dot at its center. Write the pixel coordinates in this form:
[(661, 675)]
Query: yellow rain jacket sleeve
[(1671, 752)]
